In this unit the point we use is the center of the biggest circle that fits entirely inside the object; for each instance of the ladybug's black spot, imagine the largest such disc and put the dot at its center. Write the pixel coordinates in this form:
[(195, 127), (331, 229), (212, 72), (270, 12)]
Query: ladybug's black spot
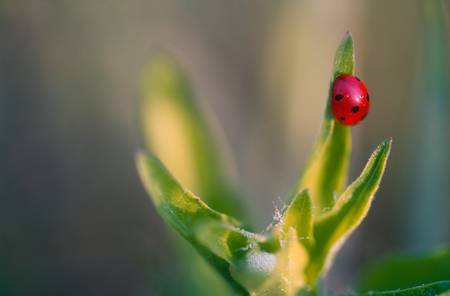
[(368, 97), (354, 109), (342, 118), (357, 78), (338, 97)]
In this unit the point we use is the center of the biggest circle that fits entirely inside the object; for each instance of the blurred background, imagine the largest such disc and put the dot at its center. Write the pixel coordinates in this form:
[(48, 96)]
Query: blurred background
[(74, 219)]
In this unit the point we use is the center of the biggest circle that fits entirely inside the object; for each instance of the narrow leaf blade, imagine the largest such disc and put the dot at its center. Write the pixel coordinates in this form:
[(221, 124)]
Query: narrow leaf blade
[(288, 275), (332, 229), (180, 208), (298, 216), (175, 129), (326, 172), (185, 213), (345, 57)]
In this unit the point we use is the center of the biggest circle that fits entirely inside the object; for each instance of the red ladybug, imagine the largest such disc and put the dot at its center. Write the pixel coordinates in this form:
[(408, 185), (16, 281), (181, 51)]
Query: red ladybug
[(351, 101)]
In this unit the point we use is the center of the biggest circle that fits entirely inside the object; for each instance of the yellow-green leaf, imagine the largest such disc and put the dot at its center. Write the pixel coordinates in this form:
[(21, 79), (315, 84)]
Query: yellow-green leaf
[(332, 228), (186, 213), (326, 172), (298, 216), (173, 128), (288, 275), (226, 240)]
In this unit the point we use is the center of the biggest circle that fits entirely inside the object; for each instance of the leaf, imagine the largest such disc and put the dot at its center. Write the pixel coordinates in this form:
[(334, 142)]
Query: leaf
[(326, 172), (332, 229), (394, 271), (174, 128), (433, 289), (186, 213), (227, 241), (298, 216), (288, 275)]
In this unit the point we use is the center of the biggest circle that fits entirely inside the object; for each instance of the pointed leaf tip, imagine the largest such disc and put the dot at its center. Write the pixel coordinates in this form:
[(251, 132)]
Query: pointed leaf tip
[(326, 172), (345, 57), (298, 215), (334, 227)]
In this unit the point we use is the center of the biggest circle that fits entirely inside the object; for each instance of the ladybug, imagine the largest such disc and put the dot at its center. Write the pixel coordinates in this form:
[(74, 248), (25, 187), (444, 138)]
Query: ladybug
[(350, 101)]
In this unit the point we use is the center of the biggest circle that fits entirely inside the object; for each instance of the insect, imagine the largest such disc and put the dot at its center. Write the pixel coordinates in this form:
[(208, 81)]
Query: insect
[(351, 100)]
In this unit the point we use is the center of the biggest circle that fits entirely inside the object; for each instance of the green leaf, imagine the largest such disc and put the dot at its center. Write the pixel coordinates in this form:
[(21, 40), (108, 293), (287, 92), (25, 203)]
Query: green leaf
[(394, 271), (332, 228), (173, 128), (227, 241), (188, 215), (345, 57), (288, 275), (298, 216), (326, 172), (433, 289)]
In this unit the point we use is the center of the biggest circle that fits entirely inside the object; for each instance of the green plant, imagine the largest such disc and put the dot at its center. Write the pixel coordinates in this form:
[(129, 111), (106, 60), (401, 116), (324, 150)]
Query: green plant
[(302, 245)]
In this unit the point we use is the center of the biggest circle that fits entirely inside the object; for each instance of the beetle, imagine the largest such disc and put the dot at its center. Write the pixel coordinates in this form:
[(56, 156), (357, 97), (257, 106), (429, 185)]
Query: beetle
[(350, 99)]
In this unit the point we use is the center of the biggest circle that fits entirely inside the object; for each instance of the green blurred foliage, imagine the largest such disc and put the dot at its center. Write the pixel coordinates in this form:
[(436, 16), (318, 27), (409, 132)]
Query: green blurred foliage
[(400, 271)]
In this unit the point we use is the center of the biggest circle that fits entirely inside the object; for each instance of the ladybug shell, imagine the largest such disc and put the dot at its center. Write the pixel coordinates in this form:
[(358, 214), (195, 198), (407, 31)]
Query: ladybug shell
[(351, 101)]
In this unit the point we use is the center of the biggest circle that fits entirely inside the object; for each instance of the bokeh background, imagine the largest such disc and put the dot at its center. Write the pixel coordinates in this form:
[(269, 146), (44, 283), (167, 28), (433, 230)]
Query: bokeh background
[(74, 219)]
